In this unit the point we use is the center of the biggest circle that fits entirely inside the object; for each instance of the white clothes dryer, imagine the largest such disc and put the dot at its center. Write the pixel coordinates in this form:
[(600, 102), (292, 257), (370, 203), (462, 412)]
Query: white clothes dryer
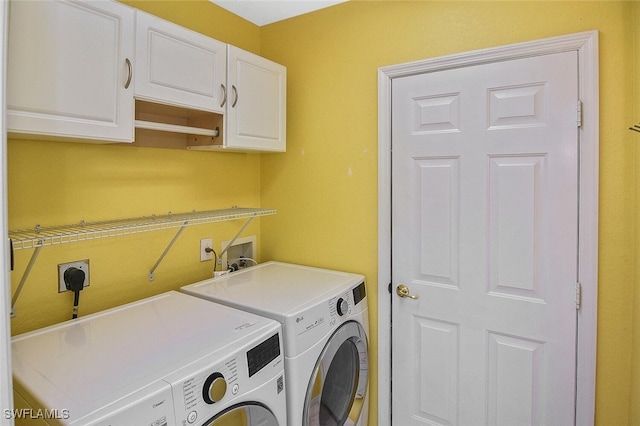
[(169, 360), (325, 325)]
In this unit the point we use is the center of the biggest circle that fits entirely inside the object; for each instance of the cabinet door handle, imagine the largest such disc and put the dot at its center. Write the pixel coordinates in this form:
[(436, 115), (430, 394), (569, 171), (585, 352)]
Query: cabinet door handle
[(224, 95), (130, 68), (235, 100)]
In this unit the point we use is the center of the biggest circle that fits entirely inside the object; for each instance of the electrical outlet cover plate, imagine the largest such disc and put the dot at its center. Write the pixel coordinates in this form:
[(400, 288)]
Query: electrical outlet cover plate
[(204, 243), (80, 264)]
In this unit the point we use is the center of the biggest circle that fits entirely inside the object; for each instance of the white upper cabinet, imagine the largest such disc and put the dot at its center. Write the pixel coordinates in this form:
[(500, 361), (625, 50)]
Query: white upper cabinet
[(177, 66), (69, 70), (96, 70), (256, 103)]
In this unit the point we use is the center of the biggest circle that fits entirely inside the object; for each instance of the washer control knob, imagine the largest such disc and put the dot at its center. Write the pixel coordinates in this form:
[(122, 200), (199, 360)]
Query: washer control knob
[(343, 306), (214, 388)]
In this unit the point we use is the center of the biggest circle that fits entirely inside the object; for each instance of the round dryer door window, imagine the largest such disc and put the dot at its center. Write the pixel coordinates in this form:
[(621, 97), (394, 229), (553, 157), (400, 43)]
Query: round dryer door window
[(338, 385), (248, 414)]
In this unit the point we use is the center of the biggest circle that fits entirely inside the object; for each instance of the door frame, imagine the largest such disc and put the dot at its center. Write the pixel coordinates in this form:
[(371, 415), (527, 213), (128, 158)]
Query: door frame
[(586, 44), (6, 383)]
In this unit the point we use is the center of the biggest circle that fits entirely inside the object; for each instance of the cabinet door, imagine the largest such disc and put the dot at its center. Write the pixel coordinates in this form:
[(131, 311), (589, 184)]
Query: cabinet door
[(69, 70), (256, 110), (177, 66)]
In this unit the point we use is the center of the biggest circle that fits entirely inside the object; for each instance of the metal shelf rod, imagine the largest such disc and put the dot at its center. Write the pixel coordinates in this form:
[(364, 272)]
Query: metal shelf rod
[(233, 240), (164, 253), (163, 127), (25, 275)]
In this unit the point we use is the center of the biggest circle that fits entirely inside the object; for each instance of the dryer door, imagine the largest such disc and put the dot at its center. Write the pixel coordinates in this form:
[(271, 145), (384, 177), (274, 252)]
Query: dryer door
[(246, 414), (338, 386)]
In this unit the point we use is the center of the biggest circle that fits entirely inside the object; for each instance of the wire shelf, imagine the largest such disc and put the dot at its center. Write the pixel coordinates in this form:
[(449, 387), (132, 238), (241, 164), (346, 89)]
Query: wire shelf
[(83, 231)]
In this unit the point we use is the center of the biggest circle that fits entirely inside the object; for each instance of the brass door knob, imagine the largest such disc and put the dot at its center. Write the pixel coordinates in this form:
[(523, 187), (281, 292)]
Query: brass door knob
[(403, 291)]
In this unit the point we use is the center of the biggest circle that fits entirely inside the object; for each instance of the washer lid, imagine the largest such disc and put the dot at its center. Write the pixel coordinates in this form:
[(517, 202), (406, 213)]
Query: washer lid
[(275, 289), (87, 363)]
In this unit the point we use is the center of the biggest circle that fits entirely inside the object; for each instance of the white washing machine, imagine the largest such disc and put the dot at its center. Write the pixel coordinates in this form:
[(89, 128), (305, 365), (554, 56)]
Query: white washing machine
[(169, 360), (325, 325)]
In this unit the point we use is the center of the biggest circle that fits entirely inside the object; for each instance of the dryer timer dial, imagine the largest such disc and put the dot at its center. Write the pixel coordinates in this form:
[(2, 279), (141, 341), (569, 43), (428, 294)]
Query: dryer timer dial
[(343, 306), (214, 388)]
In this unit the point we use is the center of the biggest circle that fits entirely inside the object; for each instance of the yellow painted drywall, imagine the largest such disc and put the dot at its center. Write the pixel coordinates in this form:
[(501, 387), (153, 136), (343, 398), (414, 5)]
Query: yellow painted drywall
[(634, 406), (52, 183), (325, 186)]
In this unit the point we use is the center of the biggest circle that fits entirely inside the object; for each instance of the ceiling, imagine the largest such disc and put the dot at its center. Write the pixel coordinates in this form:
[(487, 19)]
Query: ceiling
[(263, 12)]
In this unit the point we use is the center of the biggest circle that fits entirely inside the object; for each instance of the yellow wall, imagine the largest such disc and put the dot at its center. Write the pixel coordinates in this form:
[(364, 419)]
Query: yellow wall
[(634, 406), (325, 186), (64, 183)]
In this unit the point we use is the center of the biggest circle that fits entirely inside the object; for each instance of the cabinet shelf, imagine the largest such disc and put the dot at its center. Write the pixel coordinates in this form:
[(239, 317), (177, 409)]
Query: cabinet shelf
[(169, 126), (83, 231)]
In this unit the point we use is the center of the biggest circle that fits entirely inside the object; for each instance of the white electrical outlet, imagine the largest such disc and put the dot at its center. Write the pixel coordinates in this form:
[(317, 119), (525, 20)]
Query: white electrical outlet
[(204, 254), (80, 264)]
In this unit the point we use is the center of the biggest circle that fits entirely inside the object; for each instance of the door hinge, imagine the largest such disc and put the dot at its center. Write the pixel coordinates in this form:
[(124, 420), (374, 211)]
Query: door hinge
[(578, 295), (579, 114)]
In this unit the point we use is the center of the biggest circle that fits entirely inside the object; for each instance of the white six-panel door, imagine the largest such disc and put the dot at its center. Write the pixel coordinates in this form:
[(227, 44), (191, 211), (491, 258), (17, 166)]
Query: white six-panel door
[(484, 234)]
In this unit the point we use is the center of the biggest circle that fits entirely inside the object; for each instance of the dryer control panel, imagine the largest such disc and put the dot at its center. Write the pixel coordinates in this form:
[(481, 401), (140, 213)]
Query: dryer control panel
[(348, 303), (312, 324), (344, 303)]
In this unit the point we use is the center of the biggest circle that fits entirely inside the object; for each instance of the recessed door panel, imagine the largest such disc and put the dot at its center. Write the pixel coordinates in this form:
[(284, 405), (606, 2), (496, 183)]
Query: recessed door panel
[(514, 382), (438, 220), (516, 190), (436, 385)]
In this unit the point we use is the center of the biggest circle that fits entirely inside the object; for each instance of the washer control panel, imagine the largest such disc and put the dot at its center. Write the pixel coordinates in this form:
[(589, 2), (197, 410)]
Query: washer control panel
[(208, 385), (261, 355)]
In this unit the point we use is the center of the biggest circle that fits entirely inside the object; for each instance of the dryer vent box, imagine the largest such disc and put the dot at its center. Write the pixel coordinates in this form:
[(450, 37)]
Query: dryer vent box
[(244, 247)]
